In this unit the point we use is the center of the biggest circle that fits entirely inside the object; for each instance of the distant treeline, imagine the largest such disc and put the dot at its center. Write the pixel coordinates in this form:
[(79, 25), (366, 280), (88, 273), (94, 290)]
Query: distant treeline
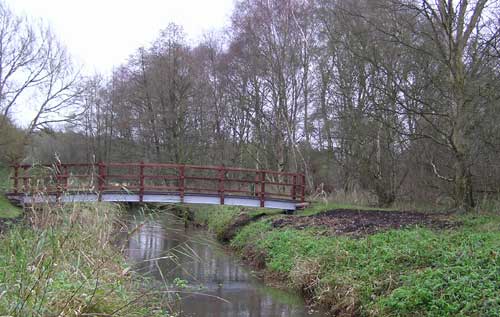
[(396, 98)]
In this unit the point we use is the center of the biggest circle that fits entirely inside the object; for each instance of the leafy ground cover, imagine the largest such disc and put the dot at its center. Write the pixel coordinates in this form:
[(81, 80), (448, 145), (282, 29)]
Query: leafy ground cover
[(410, 271)]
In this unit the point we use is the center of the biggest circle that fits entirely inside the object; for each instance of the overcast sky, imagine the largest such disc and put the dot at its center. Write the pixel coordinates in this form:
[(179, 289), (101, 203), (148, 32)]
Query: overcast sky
[(103, 33)]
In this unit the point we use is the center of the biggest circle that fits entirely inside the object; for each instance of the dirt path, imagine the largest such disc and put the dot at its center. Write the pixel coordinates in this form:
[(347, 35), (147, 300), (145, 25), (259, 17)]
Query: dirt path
[(363, 222)]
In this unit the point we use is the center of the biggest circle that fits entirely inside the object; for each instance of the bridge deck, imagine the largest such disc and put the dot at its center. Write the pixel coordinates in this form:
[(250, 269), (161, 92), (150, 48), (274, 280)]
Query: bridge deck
[(154, 197), (161, 183)]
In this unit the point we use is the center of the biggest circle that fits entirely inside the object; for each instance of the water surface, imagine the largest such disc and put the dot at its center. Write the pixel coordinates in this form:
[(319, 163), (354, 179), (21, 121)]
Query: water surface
[(217, 283)]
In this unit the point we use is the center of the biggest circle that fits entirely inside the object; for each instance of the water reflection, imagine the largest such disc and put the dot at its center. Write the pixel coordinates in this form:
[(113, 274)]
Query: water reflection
[(147, 243), (218, 284)]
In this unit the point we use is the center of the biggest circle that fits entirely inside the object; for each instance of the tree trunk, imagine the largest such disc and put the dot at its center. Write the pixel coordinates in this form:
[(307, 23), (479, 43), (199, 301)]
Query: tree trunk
[(464, 198)]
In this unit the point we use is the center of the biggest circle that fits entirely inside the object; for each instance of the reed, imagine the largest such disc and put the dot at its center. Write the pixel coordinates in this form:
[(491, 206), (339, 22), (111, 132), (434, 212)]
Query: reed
[(62, 261)]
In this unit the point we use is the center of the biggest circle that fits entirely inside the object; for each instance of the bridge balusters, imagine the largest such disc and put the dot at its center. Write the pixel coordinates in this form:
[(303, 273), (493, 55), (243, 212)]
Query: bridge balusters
[(26, 188), (226, 180), (294, 189)]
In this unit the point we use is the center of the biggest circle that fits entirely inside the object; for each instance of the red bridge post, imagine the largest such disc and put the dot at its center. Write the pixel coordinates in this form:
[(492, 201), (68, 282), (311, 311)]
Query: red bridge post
[(221, 184), (262, 188), (141, 182), (303, 193), (181, 182), (256, 185), (16, 180)]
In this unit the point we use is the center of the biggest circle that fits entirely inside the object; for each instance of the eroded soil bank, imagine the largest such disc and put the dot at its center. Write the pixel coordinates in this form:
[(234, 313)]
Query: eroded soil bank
[(362, 222)]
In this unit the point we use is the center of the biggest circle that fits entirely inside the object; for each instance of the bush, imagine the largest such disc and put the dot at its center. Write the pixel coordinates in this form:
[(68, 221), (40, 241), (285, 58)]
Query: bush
[(12, 143)]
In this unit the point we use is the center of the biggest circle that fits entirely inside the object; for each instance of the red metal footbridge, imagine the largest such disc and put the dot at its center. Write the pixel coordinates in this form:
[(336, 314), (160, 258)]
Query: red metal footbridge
[(156, 183)]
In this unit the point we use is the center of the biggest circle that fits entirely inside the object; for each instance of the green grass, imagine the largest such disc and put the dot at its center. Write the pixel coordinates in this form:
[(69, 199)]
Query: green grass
[(5, 183), (7, 210), (409, 272), (217, 218)]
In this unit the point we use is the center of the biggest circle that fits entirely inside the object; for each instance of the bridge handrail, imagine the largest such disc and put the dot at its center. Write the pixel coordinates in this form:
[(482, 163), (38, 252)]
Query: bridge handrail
[(99, 171), (165, 165)]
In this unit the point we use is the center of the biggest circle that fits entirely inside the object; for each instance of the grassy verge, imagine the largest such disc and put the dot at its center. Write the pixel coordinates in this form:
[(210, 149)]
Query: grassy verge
[(7, 210), (64, 263), (219, 218), (410, 272), (4, 178)]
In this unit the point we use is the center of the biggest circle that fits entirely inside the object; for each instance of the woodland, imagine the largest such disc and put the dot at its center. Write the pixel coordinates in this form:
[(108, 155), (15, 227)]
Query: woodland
[(390, 100)]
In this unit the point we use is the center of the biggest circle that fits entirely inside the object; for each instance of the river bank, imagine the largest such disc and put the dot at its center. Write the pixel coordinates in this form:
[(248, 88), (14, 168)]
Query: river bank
[(63, 261), (371, 262)]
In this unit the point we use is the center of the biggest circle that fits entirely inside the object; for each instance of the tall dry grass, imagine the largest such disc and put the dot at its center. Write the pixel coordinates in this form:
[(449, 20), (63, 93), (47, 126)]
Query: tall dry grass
[(63, 262)]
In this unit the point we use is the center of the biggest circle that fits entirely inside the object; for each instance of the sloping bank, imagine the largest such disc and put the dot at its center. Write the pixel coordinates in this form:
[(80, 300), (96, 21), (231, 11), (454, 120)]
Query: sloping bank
[(63, 262), (415, 265)]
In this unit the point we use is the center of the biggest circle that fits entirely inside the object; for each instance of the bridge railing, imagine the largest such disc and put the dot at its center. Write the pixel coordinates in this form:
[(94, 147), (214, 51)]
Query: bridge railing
[(146, 178)]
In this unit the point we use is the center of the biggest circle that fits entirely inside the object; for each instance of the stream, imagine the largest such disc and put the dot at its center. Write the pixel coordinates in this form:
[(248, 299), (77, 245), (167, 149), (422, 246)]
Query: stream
[(217, 283)]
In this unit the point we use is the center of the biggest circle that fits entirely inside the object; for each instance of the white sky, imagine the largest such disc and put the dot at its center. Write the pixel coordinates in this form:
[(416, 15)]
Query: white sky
[(103, 33)]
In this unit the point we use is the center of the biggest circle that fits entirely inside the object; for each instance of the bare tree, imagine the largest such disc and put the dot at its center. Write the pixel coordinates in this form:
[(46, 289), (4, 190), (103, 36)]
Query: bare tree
[(395, 98), (446, 46), (36, 72)]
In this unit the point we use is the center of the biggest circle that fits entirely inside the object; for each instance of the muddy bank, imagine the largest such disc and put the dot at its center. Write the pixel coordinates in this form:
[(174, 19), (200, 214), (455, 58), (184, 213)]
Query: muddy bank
[(363, 222)]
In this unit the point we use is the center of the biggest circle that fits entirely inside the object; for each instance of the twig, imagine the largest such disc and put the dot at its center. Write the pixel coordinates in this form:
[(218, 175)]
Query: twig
[(435, 170)]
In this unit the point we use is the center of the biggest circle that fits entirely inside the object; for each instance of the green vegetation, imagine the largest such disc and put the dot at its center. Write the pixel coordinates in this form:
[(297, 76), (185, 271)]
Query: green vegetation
[(218, 218), (7, 210), (65, 263), (4, 179), (410, 272)]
